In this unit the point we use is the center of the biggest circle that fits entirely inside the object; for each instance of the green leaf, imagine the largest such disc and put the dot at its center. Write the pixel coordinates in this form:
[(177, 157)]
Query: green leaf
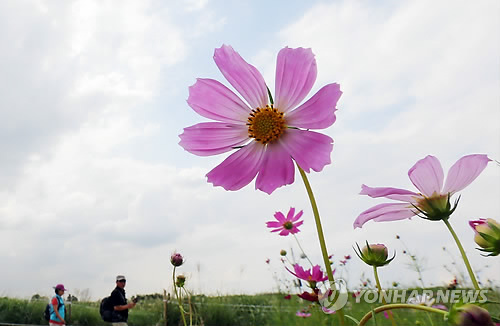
[(374, 317), (353, 319)]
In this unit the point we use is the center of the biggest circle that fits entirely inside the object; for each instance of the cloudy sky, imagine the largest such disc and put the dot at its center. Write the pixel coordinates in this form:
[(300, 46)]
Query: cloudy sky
[(93, 182)]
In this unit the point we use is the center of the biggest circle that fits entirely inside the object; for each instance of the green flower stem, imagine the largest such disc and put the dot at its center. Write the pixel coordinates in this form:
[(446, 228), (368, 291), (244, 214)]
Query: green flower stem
[(321, 236), (399, 306), (178, 296), (379, 289), (302, 250), (464, 256)]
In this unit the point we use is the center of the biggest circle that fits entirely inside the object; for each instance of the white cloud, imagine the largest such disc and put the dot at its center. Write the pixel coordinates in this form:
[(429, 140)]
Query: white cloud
[(418, 79)]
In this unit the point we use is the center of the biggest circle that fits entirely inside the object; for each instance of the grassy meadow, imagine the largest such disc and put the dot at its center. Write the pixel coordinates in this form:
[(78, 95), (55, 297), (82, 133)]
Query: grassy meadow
[(230, 310)]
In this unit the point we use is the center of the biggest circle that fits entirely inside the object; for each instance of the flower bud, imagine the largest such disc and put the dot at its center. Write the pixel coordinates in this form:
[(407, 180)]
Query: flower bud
[(470, 315), (374, 254), (283, 252), (176, 259), (487, 235), (181, 279)]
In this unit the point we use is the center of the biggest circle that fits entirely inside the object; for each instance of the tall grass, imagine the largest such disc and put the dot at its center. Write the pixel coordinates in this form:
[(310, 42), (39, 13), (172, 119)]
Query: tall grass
[(230, 310)]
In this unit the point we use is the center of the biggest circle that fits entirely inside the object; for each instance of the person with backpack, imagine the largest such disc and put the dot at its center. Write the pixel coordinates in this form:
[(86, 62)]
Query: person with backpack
[(118, 301), (58, 310)]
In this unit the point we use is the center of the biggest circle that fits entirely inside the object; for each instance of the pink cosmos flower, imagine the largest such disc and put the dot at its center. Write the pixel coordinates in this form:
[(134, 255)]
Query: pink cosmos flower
[(328, 311), (433, 200), (303, 314), (267, 136), (310, 296), (316, 275), (286, 225)]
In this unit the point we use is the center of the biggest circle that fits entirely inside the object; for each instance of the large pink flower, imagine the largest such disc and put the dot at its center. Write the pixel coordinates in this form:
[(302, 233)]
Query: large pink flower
[(267, 137), (433, 201), (286, 225)]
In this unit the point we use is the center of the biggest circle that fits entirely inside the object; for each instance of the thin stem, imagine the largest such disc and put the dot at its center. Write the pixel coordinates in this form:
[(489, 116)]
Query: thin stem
[(464, 256), (415, 264), (178, 296), (321, 236), (303, 250), (399, 306), (379, 288)]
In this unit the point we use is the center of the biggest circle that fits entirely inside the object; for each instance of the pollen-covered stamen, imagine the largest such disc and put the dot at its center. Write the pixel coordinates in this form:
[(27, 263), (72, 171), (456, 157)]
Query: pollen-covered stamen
[(266, 124)]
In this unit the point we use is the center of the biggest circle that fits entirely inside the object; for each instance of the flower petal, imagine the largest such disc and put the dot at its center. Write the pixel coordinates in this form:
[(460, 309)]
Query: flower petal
[(211, 138), (385, 212), (311, 150), (245, 78), (274, 224), (427, 175), (276, 170), (238, 169), (296, 225), (280, 217), (284, 232), (391, 193), (464, 171), (319, 111), (210, 99), (295, 75), (290, 214), (299, 215)]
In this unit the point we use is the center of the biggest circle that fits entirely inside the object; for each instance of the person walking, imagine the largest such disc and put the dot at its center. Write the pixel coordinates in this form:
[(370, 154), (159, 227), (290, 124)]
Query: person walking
[(119, 303), (58, 310)]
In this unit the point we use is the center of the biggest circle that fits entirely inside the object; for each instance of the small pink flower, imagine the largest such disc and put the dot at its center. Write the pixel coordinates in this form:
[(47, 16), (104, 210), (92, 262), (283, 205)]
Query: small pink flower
[(268, 261), (433, 200), (440, 306), (286, 225), (327, 311), (316, 275), (386, 314), (347, 257), (303, 314), (310, 296), (287, 297), (267, 138)]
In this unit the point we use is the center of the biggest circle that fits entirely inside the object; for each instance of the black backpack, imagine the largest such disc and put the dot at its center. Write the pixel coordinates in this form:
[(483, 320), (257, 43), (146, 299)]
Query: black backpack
[(106, 310), (48, 310)]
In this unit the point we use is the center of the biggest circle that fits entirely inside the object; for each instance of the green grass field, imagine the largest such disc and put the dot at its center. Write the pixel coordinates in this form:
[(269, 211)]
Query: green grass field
[(231, 310)]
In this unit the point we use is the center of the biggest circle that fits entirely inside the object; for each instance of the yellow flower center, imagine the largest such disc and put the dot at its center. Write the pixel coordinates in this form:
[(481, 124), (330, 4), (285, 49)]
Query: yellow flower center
[(266, 124)]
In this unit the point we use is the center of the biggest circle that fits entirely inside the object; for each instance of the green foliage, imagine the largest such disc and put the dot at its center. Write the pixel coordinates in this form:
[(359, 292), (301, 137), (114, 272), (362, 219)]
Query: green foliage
[(243, 310)]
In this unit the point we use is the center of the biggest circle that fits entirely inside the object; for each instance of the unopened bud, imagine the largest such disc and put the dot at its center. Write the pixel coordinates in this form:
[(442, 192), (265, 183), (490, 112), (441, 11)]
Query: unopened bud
[(470, 315), (181, 279), (283, 252), (374, 254), (487, 235), (176, 259)]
